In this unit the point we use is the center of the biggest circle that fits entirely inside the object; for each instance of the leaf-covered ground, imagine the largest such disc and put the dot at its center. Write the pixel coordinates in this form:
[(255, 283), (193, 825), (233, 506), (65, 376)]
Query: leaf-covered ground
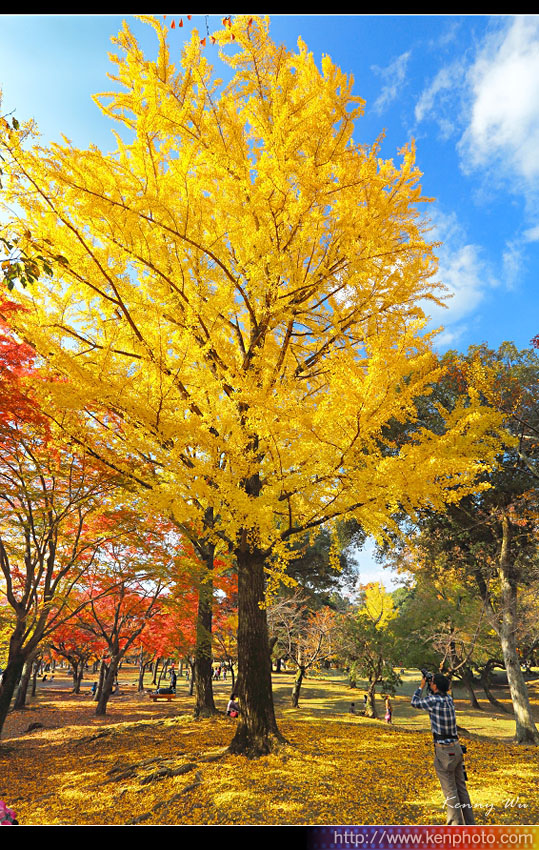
[(152, 763)]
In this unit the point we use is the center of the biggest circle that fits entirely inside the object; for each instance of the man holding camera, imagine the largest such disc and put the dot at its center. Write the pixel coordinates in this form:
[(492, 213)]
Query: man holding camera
[(448, 758)]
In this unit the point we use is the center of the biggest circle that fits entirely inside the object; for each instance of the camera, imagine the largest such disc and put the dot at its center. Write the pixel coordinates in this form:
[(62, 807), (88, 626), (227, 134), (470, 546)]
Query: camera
[(427, 675)]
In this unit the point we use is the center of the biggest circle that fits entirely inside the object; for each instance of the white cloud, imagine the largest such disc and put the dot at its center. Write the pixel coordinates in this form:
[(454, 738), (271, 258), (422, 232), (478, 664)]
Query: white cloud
[(532, 234), (513, 261), (492, 102), (451, 339), (461, 271), (464, 273), (442, 87), (394, 76), (502, 136)]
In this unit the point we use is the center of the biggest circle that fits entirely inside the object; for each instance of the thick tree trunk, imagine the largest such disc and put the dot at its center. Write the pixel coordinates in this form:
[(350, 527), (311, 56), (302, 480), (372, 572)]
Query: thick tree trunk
[(257, 732), (12, 674), (10, 680), (106, 688), (141, 671), (78, 677), (526, 731), (35, 671), (467, 681), (154, 669), (204, 702), (163, 673), (101, 682), (22, 690), (485, 684), (300, 674), (370, 705), (77, 671), (75, 678)]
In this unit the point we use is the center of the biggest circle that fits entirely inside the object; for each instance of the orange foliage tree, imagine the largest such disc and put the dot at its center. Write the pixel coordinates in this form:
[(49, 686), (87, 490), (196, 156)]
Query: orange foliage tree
[(77, 647), (126, 586), (51, 493)]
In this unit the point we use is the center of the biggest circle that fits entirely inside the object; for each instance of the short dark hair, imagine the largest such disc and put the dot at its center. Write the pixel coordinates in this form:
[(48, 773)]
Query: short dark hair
[(441, 682)]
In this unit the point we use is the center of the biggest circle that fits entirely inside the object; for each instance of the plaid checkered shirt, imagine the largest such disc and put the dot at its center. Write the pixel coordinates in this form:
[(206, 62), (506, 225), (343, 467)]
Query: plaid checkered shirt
[(442, 715)]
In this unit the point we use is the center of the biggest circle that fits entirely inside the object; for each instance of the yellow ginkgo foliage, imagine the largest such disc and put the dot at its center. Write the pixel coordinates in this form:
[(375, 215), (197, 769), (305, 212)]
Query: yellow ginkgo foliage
[(377, 605), (240, 308)]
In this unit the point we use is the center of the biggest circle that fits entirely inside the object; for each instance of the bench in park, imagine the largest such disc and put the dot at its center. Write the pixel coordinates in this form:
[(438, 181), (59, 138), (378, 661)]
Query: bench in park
[(155, 697)]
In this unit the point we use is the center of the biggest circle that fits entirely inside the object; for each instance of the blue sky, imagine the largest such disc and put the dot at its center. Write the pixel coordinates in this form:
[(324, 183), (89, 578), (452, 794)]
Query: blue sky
[(465, 88)]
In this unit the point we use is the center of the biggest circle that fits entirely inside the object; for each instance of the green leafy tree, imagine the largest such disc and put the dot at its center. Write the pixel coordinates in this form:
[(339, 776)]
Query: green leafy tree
[(444, 625), (323, 563), (369, 644), (490, 537)]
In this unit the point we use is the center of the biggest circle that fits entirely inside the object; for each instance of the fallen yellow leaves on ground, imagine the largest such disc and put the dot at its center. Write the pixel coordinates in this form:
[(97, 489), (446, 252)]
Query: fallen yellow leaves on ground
[(158, 765)]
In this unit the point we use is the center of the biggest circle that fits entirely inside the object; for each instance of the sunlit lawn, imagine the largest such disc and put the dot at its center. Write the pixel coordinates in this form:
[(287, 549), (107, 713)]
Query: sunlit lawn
[(155, 763), (331, 694)]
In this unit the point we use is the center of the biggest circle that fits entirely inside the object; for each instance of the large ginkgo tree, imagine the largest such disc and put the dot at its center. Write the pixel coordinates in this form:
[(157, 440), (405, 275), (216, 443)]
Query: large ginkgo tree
[(242, 286)]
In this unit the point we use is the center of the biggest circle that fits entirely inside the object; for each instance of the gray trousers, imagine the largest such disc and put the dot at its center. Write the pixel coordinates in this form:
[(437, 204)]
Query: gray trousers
[(449, 767)]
